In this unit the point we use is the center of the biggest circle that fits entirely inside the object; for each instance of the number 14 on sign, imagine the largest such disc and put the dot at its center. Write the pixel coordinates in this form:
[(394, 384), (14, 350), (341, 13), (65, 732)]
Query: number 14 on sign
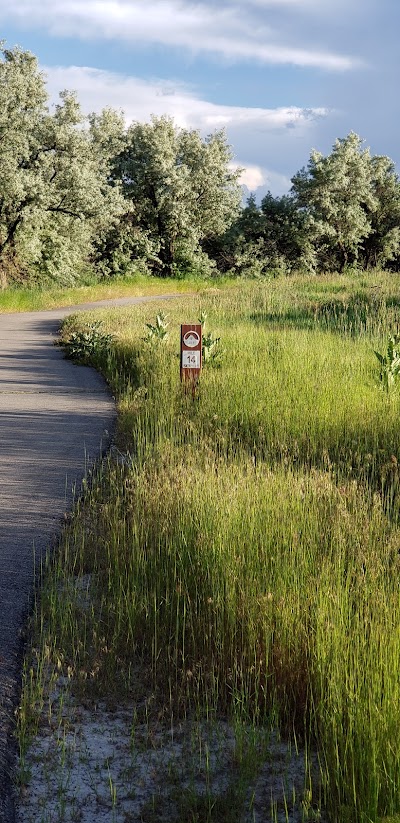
[(190, 359)]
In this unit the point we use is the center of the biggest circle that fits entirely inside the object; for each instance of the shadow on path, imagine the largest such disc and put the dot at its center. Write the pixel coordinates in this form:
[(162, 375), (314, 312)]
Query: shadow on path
[(55, 419)]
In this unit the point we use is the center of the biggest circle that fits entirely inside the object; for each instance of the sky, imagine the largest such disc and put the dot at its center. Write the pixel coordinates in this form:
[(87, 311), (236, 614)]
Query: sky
[(282, 77)]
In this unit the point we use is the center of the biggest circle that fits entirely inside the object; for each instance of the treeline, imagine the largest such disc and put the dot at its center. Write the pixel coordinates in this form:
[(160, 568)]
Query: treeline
[(343, 211), (86, 196)]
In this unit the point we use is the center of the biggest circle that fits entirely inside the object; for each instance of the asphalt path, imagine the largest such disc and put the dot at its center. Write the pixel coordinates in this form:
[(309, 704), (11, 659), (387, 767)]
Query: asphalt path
[(56, 418)]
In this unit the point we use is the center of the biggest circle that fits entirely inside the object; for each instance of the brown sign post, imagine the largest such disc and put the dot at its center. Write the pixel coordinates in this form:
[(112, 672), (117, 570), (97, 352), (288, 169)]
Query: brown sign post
[(191, 342)]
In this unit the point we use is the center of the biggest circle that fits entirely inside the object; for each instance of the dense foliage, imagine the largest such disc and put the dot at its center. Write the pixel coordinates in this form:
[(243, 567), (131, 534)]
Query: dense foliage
[(81, 195), (54, 194), (343, 211), (179, 191), (86, 196)]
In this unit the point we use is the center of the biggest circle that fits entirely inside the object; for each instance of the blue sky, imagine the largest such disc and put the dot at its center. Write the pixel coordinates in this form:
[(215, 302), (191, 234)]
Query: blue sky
[(281, 76)]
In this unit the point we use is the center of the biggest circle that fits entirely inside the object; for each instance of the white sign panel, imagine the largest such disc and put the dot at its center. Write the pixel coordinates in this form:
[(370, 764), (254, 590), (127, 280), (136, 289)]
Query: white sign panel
[(190, 359)]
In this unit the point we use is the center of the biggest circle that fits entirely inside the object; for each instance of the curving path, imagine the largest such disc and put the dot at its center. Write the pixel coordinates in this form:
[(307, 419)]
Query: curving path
[(55, 417)]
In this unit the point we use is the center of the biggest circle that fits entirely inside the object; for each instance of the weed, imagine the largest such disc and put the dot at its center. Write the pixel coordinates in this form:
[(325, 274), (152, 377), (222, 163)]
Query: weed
[(158, 330), (390, 362), (212, 352), (89, 342)]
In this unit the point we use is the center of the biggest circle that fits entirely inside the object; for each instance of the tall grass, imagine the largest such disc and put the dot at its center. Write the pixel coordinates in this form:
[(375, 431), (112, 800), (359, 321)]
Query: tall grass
[(35, 298), (245, 547)]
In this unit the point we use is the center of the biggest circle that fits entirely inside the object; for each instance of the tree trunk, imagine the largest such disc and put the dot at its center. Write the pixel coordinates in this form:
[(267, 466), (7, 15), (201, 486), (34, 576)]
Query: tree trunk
[(167, 257)]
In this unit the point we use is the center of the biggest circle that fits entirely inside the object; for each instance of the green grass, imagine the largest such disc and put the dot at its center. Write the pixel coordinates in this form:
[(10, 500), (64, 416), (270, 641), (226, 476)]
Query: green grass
[(34, 299), (246, 548)]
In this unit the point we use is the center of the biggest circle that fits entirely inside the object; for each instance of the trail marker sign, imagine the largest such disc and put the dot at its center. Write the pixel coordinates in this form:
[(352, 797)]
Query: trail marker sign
[(191, 343)]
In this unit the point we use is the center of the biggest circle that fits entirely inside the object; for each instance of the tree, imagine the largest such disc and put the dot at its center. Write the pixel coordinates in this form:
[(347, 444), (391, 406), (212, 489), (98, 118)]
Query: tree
[(182, 192), (382, 244), (265, 239), (343, 210), (286, 233), (22, 105), (338, 199), (240, 249), (53, 186)]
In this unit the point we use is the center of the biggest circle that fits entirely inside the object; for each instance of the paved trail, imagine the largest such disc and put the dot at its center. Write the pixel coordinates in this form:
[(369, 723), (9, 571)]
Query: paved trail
[(54, 417)]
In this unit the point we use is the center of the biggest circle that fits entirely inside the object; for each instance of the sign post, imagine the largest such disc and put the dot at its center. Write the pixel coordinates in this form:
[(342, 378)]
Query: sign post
[(191, 343)]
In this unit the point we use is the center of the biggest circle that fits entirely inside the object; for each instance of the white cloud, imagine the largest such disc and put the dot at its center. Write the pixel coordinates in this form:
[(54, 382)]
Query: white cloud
[(256, 134), (321, 7), (318, 9), (139, 99), (260, 180), (197, 27), (252, 177)]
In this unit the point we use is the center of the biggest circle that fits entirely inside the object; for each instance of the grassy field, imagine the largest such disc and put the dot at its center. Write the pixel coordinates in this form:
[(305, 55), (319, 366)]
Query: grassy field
[(34, 299), (242, 546)]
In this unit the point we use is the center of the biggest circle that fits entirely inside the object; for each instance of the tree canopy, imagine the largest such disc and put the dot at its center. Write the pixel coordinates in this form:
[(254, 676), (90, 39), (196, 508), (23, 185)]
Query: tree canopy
[(345, 196), (54, 191), (343, 211), (88, 194), (180, 189)]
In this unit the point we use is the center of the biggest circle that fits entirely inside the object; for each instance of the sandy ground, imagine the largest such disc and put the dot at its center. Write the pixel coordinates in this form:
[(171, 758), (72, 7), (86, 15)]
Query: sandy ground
[(101, 766)]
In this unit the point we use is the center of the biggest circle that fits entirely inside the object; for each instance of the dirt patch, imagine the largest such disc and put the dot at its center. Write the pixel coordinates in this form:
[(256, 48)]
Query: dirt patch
[(96, 766)]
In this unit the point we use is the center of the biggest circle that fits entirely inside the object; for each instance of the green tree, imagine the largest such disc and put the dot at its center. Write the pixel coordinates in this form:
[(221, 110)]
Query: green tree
[(338, 198), (240, 249), (265, 239), (251, 223), (181, 189), (53, 188), (285, 233), (22, 105), (382, 245)]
